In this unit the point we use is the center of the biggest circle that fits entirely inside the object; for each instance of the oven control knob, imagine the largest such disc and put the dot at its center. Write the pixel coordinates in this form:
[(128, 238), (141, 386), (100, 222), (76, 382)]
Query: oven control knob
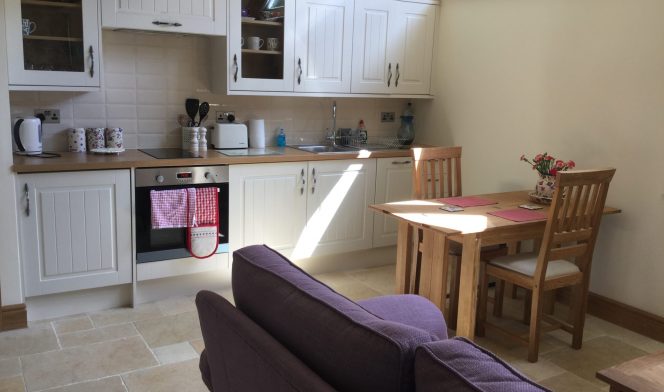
[(208, 176), (160, 178)]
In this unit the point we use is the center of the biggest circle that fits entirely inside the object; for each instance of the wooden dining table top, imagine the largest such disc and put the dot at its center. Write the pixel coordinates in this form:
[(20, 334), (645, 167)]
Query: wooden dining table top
[(428, 215)]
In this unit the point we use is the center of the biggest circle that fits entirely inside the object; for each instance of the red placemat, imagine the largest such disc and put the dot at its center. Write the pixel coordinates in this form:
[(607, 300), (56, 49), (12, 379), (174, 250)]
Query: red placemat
[(519, 215), (467, 201)]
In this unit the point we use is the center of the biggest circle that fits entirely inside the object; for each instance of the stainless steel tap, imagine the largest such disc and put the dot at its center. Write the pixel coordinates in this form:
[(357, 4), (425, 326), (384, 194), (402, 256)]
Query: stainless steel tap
[(334, 123)]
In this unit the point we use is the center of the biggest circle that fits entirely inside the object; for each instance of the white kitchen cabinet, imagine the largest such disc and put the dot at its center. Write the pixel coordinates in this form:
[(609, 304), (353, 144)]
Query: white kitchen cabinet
[(393, 183), (259, 68), (393, 47), (178, 16), (269, 204), (75, 230), (323, 45), (53, 45), (338, 219)]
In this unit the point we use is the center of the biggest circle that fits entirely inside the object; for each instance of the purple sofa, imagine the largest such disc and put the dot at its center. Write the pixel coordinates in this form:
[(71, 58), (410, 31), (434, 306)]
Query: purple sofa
[(290, 332)]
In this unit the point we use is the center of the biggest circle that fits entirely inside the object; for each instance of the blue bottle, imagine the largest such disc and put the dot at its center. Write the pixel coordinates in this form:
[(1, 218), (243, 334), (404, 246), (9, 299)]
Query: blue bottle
[(281, 138)]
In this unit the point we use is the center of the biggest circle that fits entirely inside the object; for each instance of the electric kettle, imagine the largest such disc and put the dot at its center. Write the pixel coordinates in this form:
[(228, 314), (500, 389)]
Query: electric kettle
[(28, 135)]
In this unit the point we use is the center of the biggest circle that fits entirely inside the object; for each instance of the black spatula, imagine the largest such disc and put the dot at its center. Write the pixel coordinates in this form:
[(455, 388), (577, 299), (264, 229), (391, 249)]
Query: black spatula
[(191, 105), (203, 112)]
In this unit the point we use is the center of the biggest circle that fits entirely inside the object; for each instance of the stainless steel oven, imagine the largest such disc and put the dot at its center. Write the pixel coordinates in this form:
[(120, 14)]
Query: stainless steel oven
[(169, 244)]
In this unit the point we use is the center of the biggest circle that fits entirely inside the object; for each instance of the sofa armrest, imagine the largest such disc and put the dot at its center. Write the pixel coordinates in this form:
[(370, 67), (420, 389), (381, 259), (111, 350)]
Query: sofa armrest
[(240, 356), (408, 309), (459, 365)]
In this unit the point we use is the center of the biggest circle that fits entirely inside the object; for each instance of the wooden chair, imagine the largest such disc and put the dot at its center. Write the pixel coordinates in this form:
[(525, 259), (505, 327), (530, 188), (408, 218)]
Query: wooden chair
[(437, 174), (564, 257)]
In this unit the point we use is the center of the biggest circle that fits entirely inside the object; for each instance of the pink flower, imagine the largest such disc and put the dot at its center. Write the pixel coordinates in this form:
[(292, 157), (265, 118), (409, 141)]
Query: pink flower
[(553, 172), (538, 157), (560, 164), (523, 157), (571, 164)]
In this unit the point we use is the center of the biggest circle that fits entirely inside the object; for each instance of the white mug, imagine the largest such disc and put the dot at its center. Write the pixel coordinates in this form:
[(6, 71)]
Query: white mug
[(242, 42), (272, 43), (28, 26), (255, 43)]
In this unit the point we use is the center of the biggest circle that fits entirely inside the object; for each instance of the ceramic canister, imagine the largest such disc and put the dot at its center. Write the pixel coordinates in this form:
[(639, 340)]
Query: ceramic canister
[(114, 138), (76, 139), (94, 138)]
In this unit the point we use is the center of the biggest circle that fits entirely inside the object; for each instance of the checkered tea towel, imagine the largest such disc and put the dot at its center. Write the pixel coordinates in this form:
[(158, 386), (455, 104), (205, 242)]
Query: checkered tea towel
[(173, 208), (206, 206)]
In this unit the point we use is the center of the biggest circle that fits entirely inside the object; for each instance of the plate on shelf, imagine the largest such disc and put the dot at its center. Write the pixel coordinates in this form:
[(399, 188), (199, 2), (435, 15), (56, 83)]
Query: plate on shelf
[(108, 150), (539, 199), (248, 18)]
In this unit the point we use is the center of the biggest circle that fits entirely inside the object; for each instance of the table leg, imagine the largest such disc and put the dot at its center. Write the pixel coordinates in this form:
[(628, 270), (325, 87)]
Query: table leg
[(404, 258), (470, 271), (426, 267), (439, 268)]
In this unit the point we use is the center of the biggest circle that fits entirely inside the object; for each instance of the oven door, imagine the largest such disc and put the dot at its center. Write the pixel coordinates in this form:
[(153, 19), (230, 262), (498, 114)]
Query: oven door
[(168, 244)]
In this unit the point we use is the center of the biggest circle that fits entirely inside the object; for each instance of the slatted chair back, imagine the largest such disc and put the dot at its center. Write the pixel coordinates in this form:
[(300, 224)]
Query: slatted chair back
[(574, 218), (436, 172)]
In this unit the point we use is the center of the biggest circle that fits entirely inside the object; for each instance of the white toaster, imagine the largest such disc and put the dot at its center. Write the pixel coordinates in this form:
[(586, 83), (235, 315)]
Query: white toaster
[(229, 135)]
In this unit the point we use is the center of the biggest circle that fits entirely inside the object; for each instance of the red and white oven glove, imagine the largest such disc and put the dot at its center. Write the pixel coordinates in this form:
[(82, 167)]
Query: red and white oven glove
[(203, 237)]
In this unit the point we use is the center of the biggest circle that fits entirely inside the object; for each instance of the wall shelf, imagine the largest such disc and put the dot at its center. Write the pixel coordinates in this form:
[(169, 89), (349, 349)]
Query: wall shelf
[(48, 38), (44, 3), (262, 23), (253, 51)]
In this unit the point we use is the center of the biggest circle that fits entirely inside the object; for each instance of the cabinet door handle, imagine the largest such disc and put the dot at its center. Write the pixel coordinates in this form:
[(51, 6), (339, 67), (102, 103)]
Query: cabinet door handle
[(236, 68), (389, 74), (400, 162), (92, 61), (299, 75), (26, 190), (313, 180), (396, 81), (170, 24), (304, 182)]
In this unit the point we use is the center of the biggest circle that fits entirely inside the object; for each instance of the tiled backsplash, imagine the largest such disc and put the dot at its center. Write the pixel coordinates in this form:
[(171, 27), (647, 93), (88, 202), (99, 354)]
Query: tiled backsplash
[(147, 78)]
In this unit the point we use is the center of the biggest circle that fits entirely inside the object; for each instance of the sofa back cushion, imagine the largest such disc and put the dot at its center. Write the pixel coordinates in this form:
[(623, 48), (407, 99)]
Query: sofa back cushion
[(459, 365), (350, 348)]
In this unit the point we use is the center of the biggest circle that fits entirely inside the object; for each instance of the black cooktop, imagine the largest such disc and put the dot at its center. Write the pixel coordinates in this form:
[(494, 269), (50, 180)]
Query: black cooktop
[(168, 153)]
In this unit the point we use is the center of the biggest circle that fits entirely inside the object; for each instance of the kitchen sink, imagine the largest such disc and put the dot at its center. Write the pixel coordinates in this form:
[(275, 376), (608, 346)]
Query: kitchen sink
[(327, 149)]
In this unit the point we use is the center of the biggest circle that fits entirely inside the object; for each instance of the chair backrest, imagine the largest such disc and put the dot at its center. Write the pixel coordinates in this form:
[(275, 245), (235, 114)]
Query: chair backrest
[(436, 172), (574, 218)]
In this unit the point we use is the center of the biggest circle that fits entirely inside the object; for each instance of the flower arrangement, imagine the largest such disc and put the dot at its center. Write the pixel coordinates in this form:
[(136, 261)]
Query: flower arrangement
[(546, 165)]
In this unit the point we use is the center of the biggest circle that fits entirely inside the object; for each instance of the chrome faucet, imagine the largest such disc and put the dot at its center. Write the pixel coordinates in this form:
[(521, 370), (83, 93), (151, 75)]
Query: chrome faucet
[(334, 124)]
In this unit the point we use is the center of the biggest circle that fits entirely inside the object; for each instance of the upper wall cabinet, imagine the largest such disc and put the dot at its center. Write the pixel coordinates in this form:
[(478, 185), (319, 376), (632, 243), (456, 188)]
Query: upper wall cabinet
[(52, 45), (323, 45), (177, 16), (393, 47)]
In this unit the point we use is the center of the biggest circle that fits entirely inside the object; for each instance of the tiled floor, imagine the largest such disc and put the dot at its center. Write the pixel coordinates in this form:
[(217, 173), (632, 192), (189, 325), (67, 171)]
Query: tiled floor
[(155, 347)]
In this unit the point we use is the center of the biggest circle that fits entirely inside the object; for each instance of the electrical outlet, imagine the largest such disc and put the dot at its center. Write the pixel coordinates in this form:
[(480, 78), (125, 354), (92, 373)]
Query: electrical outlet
[(51, 116), (223, 116), (386, 116)]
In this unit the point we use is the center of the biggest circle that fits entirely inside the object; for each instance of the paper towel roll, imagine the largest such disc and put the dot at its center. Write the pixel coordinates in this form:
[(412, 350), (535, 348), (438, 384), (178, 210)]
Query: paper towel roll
[(256, 133)]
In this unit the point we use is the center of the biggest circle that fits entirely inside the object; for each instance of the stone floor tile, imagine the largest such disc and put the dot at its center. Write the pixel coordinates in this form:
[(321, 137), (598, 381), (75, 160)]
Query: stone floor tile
[(357, 291), (73, 324), (170, 329), (83, 363), (37, 339), (198, 345), (176, 377), (10, 367), (228, 294), (177, 305), (175, 353), (109, 384), (596, 354), (97, 335), (568, 382), (12, 384), (125, 315), (540, 370), (381, 279)]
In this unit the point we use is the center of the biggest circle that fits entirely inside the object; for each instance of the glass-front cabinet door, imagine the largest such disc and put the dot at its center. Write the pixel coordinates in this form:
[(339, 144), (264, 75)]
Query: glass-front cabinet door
[(260, 45), (52, 43)]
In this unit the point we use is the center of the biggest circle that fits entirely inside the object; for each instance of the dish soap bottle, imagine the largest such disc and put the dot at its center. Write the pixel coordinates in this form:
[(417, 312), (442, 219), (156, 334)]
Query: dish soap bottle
[(281, 138), (362, 132), (406, 133)]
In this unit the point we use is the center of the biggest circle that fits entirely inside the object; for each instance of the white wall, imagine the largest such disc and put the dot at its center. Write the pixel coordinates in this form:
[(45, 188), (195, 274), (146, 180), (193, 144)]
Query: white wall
[(10, 278), (147, 78), (580, 79)]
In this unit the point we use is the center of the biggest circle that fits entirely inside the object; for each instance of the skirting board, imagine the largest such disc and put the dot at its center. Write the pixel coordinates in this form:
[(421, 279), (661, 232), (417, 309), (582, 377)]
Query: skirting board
[(13, 317), (626, 316)]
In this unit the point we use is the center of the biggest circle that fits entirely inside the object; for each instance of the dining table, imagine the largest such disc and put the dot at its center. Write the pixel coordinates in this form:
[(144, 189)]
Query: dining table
[(473, 227)]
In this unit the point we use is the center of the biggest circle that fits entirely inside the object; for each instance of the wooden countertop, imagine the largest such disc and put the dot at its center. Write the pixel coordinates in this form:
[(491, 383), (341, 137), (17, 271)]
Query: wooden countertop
[(75, 161)]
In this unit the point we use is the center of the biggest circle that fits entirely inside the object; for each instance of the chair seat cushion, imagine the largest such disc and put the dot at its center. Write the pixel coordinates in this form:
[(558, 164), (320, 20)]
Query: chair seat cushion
[(525, 263), (408, 309), (461, 366)]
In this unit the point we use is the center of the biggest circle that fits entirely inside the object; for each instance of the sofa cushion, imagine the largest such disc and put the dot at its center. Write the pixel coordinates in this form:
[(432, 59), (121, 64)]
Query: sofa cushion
[(413, 310), (350, 348), (459, 365), (240, 356)]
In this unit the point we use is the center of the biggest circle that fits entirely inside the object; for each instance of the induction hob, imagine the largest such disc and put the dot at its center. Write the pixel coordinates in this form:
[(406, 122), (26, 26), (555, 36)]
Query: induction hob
[(169, 153)]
